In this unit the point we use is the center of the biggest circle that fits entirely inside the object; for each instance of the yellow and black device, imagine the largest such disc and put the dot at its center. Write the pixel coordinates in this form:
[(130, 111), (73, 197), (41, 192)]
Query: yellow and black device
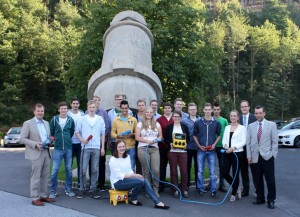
[(179, 140)]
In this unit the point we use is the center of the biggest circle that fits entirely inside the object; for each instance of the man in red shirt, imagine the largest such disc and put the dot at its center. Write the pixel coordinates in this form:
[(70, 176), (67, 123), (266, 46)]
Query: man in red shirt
[(164, 121)]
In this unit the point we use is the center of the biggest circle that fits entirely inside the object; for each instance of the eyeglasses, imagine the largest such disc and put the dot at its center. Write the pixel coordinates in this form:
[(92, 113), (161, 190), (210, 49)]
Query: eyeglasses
[(118, 99), (244, 106), (176, 117)]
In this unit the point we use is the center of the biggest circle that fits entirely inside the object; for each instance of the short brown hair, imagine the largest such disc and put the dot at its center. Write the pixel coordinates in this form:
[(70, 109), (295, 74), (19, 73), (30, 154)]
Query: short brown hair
[(38, 105), (207, 104), (177, 99), (167, 104), (177, 112), (141, 100), (62, 104)]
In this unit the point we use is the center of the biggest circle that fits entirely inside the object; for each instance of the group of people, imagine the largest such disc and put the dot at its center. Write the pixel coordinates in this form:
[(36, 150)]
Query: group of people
[(145, 140)]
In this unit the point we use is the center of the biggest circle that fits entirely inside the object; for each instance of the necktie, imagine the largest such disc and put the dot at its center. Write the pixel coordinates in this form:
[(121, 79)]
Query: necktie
[(259, 132), (244, 120)]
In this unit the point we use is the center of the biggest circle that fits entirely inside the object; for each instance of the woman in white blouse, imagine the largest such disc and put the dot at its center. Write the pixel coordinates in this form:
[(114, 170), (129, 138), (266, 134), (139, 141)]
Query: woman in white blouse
[(122, 177), (147, 132), (234, 140)]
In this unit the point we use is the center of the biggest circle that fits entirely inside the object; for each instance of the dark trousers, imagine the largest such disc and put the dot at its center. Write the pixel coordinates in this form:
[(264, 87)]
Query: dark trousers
[(101, 171), (220, 157), (244, 171), (163, 154), (232, 162), (264, 168), (76, 152), (192, 154)]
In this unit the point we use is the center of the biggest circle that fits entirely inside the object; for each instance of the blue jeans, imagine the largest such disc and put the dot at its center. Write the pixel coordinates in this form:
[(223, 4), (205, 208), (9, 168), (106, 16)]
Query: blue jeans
[(136, 184), (76, 152), (132, 154), (86, 155), (57, 157), (211, 159)]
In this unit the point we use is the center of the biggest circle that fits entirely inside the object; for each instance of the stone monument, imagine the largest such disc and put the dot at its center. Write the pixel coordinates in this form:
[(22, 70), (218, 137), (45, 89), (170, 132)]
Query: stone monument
[(127, 63)]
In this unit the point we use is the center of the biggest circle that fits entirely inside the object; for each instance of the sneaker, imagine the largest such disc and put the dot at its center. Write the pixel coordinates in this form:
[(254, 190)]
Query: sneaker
[(232, 198), (95, 195), (70, 193), (52, 195), (214, 195), (239, 193), (176, 194), (80, 194), (101, 188), (200, 193), (185, 194)]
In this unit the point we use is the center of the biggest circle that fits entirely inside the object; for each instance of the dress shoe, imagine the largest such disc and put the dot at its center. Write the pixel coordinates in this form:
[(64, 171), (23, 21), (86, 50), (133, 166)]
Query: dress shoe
[(47, 200), (136, 203), (258, 202), (161, 207), (271, 205), (37, 203), (245, 194)]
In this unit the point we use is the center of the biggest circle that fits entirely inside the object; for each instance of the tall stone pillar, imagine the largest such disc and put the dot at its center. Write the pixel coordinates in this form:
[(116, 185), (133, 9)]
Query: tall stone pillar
[(127, 63)]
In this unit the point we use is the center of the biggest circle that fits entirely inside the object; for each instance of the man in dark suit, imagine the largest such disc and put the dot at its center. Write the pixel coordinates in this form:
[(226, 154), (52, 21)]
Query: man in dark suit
[(36, 132), (262, 149), (245, 119)]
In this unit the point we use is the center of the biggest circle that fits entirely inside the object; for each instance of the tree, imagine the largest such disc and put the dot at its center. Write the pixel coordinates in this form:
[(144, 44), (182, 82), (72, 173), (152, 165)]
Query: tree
[(263, 40), (235, 42)]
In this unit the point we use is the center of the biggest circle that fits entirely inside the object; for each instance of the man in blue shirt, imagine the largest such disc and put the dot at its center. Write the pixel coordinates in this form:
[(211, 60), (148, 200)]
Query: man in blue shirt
[(192, 148), (206, 133)]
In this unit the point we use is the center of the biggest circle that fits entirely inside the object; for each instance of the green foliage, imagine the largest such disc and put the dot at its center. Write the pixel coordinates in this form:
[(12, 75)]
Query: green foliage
[(221, 52)]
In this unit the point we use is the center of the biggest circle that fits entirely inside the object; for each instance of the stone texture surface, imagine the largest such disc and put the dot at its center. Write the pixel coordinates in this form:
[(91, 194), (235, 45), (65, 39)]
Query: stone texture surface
[(127, 62)]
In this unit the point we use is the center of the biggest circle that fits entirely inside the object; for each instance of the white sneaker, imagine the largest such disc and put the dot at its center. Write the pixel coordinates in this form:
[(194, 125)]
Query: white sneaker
[(70, 193), (232, 198), (52, 195)]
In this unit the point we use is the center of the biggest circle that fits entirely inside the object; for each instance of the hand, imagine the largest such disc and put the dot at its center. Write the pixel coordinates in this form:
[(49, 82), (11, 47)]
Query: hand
[(138, 176), (202, 148), (230, 150), (213, 147), (120, 136), (102, 152), (38, 147), (250, 160), (84, 142), (109, 144)]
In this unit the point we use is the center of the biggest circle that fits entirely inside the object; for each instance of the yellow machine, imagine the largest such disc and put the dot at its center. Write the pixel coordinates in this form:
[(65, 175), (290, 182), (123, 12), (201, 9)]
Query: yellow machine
[(179, 140), (118, 196)]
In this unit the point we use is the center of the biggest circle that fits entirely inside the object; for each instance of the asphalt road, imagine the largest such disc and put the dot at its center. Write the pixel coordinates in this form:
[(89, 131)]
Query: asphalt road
[(15, 201)]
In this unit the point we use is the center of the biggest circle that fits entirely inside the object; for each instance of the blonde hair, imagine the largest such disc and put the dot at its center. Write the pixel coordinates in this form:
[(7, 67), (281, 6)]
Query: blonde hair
[(146, 123)]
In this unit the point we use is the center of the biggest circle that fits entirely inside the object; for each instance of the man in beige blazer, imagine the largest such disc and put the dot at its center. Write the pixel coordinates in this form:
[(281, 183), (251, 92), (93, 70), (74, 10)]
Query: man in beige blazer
[(262, 149), (34, 135)]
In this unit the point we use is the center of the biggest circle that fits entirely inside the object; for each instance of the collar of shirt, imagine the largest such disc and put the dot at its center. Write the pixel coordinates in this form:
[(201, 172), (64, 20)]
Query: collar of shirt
[(39, 121)]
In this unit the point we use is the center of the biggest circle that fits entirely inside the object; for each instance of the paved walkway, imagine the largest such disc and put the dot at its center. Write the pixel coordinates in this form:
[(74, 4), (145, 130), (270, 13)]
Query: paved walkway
[(12, 205)]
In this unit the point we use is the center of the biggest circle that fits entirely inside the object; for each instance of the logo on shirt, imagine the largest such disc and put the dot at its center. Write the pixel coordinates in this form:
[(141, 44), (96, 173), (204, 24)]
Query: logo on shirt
[(130, 123)]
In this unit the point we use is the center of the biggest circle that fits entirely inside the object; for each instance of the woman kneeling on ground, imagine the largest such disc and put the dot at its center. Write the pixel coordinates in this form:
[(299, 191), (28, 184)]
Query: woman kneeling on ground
[(123, 178)]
